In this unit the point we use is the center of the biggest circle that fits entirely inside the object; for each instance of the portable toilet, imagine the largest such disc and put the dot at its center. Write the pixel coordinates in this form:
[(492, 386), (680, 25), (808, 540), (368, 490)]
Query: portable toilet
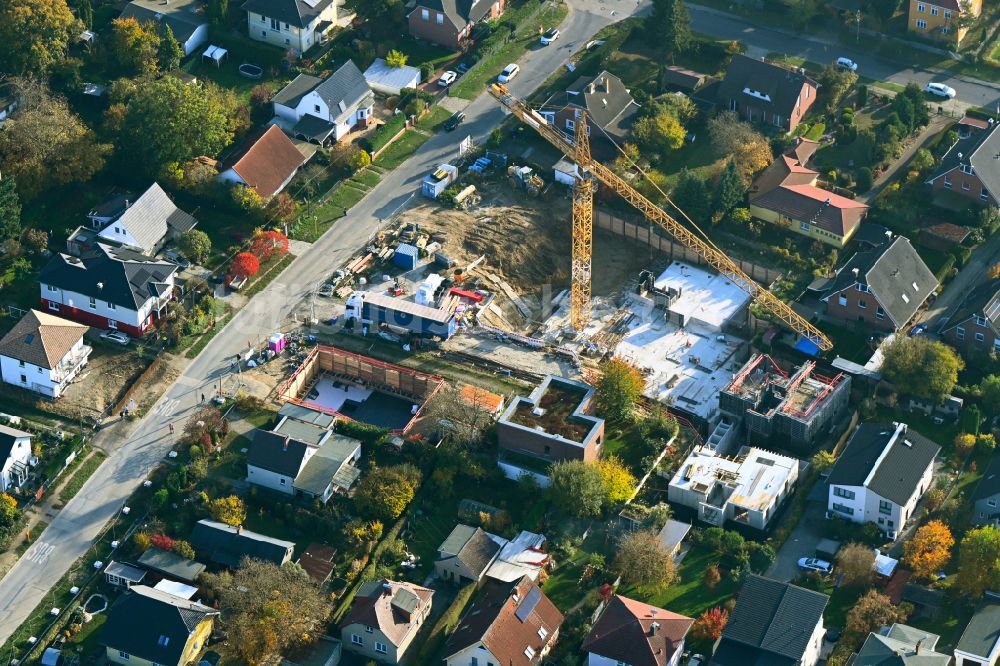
[(276, 342), (406, 256)]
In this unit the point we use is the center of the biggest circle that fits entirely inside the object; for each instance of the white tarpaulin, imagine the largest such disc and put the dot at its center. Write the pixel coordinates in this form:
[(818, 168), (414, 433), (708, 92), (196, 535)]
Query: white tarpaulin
[(215, 54)]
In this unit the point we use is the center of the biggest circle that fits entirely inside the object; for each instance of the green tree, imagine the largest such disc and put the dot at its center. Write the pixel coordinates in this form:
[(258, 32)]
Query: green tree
[(195, 245), (921, 366), (218, 11), (661, 132), (167, 123), (730, 190), (643, 560), (396, 58), (170, 52), (34, 34), (692, 195), (619, 389), (134, 46), (10, 209), (385, 493), (85, 12), (989, 388), (915, 94), (979, 561), (577, 488), (382, 17), (669, 26)]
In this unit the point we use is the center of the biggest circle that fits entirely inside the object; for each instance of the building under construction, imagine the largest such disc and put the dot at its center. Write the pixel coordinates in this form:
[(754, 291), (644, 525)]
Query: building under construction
[(784, 410)]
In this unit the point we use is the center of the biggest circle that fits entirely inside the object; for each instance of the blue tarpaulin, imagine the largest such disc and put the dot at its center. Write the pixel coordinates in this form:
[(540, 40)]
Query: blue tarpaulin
[(807, 346)]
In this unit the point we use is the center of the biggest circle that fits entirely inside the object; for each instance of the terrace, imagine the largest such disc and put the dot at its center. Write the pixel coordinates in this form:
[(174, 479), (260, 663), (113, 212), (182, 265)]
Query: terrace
[(554, 412)]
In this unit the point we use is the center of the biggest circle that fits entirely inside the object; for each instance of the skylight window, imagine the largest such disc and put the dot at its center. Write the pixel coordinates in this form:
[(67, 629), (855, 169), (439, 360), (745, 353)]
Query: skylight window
[(529, 652), (163, 641)]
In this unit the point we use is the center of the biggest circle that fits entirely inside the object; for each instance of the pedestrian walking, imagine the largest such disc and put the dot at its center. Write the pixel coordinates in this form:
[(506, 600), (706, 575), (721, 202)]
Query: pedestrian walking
[(203, 397), (171, 427)]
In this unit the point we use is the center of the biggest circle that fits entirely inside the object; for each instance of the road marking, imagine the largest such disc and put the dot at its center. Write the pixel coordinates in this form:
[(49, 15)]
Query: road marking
[(167, 407), (39, 553)]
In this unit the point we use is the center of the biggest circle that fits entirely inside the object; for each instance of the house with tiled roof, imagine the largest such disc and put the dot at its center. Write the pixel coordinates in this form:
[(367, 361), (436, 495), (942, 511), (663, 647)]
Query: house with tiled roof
[(882, 288), (900, 645), (980, 641), (631, 632), (942, 20), (324, 110), (786, 194), (610, 109), (766, 93), (507, 625), (450, 22), (43, 353), (267, 163), (970, 168), (772, 624), (466, 554), (15, 456), (294, 24), (881, 475), (108, 288), (975, 325), (384, 619), (150, 626)]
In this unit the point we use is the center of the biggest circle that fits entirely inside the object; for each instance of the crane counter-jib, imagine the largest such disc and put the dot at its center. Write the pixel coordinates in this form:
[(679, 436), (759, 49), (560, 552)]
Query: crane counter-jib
[(710, 254)]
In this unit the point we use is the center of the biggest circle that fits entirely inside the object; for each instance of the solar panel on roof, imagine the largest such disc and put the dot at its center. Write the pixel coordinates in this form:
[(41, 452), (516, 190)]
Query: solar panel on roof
[(993, 309), (528, 605)]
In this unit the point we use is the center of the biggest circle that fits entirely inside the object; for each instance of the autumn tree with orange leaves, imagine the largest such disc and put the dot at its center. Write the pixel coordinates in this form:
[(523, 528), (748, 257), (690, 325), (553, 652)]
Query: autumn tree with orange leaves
[(267, 244), (710, 623), (929, 550)]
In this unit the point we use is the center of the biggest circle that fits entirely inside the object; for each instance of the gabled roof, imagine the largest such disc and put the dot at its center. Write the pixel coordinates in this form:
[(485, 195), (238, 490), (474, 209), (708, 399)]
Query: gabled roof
[(508, 620), (117, 275), (298, 88), (989, 485), (983, 630), (472, 546), (344, 90), (267, 162), (299, 13), (982, 301), (41, 339), (775, 618), (317, 560), (887, 458), (607, 101), (183, 16), (330, 465), (624, 632), (276, 453), (150, 218), (979, 151), (762, 85), (789, 169), (8, 436), (228, 545), (804, 202), (899, 648), (389, 606), (152, 625), (894, 273), (459, 12)]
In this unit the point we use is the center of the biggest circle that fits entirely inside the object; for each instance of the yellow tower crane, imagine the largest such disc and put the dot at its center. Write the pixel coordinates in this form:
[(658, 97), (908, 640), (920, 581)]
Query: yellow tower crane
[(578, 150)]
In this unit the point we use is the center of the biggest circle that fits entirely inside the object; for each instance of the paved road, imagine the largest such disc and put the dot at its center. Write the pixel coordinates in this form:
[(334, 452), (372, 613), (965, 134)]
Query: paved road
[(937, 313), (762, 40), (135, 453)]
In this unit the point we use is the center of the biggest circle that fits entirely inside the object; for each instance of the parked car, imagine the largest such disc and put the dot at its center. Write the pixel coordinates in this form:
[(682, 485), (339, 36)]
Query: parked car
[(696, 660), (847, 64), (919, 329), (813, 564), (508, 73), (550, 36), (454, 121), (940, 90), (116, 337), (177, 258), (447, 78), (832, 635)]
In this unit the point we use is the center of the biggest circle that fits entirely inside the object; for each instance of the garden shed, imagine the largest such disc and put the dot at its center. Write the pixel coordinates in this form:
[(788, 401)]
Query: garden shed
[(388, 80)]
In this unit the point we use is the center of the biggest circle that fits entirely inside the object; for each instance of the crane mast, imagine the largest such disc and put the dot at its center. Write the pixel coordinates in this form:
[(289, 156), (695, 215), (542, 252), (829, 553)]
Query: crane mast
[(583, 234), (579, 152)]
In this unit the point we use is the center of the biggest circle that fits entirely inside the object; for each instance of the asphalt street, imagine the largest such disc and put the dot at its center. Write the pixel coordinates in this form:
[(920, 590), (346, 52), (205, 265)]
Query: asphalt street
[(133, 455)]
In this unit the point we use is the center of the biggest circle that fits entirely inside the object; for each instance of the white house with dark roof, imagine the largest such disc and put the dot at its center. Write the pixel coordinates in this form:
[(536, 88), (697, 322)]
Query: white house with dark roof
[(881, 475), (187, 19), (901, 645), (324, 110), (980, 641), (986, 498), (15, 456), (293, 24), (43, 353), (466, 554)]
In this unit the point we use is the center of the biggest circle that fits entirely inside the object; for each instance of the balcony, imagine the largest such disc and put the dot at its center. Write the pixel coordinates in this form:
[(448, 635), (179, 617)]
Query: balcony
[(70, 366)]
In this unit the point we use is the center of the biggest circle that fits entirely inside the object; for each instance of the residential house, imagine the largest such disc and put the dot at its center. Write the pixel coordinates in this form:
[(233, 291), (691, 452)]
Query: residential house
[(227, 545), (631, 632), (144, 224), (300, 458), (109, 287), (671, 536), (450, 22), (881, 475), (980, 641), (765, 93), (293, 24), (465, 555), (610, 109), (110, 210), (900, 645), (975, 325), (772, 623), (267, 163), (148, 626), (43, 353), (384, 619), (169, 565), (324, 110), (388, 80), (986, 497), (970, 167), (507, 625), (187, 19), (942, 19), (881, 288), (15, 457), (747, 489), (786, 194)]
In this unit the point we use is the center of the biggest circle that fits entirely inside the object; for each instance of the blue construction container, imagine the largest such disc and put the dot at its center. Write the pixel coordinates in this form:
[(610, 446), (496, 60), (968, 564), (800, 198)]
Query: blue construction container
[(406, 256)]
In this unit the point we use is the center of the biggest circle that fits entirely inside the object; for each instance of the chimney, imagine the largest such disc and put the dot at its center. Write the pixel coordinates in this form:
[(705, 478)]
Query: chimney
[(284, 446), (856, 271), (654, 628), (590, 87), (607, 83), (920, 646)]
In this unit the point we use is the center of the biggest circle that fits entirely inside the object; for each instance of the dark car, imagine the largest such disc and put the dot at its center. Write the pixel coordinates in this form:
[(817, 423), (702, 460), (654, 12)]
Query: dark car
[(454, 121)]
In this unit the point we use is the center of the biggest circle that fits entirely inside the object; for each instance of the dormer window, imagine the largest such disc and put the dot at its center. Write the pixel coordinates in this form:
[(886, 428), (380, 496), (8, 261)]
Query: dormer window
[(981, 321), (967, 169), (757, 94), (863, 288)]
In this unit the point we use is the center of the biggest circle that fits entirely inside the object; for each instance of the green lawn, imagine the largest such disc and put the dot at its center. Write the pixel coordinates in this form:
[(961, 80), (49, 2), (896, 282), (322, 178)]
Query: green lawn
[(419, 52), (851, 344), (433, 119), (627, 445), (401, 150), (80, 476), (689, 595)]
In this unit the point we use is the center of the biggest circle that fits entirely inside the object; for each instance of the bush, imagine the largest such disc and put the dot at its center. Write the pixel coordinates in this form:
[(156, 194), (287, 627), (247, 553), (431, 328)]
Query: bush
[(862, 95), (446, 624), (863, 180)]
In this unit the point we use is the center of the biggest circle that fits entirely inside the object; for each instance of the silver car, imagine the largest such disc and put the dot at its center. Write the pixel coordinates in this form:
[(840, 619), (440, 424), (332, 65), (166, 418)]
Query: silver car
[(941, 90), (813, 564), (117, 337)]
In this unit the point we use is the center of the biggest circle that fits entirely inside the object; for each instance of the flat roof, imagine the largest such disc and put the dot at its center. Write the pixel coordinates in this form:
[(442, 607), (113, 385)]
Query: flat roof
[(756, 475), (400, 305), (709, 297), (301, 431)]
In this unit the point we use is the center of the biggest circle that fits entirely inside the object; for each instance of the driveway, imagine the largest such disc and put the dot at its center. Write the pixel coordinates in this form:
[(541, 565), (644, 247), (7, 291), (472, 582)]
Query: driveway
[(801, 543), (139, 446)]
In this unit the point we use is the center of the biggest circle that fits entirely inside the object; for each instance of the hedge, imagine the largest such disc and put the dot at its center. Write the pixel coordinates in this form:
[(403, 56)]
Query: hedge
[(381, 136), (945, 269), (446, 624)]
